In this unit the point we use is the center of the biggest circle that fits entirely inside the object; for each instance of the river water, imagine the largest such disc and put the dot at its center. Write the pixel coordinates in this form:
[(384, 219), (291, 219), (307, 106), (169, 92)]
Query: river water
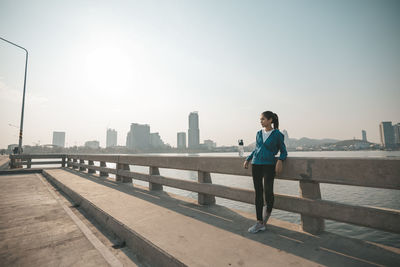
[(355, 195)]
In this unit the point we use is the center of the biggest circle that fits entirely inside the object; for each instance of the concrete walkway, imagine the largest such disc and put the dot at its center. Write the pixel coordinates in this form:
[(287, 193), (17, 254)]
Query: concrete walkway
[(36, 229), (194, 235)]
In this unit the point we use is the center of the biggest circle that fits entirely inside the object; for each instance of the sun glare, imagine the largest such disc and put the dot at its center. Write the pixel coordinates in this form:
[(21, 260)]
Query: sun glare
[(108, 67)]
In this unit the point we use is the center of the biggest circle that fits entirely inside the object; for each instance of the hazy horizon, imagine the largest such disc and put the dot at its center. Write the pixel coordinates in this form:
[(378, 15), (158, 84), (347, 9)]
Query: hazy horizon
[(329, 69)]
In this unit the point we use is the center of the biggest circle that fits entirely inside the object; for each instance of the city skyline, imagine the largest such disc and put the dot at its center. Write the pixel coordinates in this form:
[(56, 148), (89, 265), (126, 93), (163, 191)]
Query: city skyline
[(181, 141), (329, 70), (154, 138)]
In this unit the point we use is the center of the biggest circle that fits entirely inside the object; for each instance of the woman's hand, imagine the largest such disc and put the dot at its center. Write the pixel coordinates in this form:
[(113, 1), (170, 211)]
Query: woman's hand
[(246, 164), (278, 167)]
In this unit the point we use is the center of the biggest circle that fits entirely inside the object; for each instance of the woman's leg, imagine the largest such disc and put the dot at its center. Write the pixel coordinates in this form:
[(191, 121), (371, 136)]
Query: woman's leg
[(269, 175), (257, 173)]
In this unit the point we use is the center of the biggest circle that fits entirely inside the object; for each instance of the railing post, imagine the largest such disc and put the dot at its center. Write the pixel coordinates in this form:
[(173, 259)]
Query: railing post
[(310, 224), (205, 199), (12, 162), (154, 186), (69, 162), (89, 169), (103, 164), (63, 161), (120, 178), (81, 161), (29, 163), (18, 163), (75, 160)]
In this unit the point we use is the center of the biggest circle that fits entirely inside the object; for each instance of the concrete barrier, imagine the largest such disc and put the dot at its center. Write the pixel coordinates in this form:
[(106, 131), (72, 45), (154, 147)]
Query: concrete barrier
[(309, 172)]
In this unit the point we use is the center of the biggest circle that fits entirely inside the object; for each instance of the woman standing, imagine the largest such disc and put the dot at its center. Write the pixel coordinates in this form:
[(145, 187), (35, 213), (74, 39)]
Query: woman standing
[(264, 165)]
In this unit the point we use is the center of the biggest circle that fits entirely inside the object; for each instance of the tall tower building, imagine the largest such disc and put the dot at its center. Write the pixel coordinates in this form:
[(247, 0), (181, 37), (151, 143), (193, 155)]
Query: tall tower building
[(286, 138), (138, 137), (194, 131), (387, 134), (396, 130), (111, 138), (364, 135), (59, 139), (181, 142)]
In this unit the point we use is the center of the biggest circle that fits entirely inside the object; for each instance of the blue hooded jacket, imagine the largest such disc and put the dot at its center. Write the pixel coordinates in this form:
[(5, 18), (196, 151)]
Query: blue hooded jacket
[(265, 152)]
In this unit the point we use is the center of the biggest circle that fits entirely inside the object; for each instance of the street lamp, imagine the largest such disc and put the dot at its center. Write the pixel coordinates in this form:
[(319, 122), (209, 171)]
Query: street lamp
[(21, 126)]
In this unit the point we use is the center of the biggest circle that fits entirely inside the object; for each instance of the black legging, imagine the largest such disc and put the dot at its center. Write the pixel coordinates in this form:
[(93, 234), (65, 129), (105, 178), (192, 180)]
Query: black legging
[(268, 172)]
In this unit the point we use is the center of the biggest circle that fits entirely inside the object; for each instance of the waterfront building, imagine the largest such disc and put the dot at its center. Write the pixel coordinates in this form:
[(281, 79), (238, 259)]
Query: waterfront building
[(138, 137), (286, 137), (386, 134), (210, 144), (11, 147), (181, 142), (155, 140), (92, 144), (111, 138), (396, 130), (194, 131), (59, 139), (364, 135)]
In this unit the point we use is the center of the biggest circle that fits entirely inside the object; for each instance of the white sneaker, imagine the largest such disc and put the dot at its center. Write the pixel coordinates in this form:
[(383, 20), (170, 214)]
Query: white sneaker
[(257, 227)]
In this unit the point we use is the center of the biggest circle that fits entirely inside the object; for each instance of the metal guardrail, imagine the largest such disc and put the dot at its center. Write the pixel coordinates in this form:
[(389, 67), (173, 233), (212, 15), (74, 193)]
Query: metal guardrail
[(309, 172)]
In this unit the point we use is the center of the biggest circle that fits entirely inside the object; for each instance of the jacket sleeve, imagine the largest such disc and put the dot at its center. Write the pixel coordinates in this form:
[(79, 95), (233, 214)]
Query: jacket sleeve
[(249, 157), (282, 147)]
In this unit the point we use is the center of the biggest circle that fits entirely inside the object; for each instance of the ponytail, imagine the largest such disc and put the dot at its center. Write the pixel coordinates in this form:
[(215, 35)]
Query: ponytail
[(275, 121), (274, 116)]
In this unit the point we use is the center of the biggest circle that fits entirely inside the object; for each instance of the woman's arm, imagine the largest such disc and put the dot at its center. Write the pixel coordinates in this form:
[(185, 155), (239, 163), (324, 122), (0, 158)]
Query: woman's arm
[(282, 148), (246, 162)]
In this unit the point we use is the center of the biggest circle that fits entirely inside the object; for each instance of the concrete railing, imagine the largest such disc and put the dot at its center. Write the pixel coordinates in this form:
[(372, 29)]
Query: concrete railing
[(18, 161), (309, 172)]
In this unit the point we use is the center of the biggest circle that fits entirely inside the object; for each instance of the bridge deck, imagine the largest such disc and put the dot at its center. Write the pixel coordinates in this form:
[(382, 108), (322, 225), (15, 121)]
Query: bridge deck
[(217, 236), (35, 230), (190, 234)]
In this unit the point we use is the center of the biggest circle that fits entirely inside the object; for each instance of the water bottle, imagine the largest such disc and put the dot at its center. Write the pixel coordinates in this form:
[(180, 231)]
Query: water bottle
[(241, 148)]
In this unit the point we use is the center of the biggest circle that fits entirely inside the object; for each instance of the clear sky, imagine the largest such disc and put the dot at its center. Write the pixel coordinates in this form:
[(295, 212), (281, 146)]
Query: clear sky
[(328, 68)]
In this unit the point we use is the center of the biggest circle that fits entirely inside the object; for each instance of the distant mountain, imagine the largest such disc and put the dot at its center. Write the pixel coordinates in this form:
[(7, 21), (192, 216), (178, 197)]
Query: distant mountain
[(304, 142), (307, 142), (350, 142)]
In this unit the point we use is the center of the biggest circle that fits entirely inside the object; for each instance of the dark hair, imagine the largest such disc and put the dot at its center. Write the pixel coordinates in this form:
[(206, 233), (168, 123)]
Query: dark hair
[(269, 115)]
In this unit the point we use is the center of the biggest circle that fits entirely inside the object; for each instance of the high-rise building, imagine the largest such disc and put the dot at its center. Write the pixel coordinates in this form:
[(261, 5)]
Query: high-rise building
[(364, 135), (155, 140), (111, 138), (286, 138), (396, 130), (92, 144), (128, 139), (138, 137), (181, 142), (387, 134), (194, 131), (59, 139)]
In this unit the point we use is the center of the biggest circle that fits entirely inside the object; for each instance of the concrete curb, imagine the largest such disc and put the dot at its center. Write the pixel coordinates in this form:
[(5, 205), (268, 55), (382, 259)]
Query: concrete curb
[(145, 250), (21, 171)]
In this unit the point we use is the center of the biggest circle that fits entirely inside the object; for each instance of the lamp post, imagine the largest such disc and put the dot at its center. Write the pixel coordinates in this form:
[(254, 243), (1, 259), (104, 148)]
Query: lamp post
[(21, 126)]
